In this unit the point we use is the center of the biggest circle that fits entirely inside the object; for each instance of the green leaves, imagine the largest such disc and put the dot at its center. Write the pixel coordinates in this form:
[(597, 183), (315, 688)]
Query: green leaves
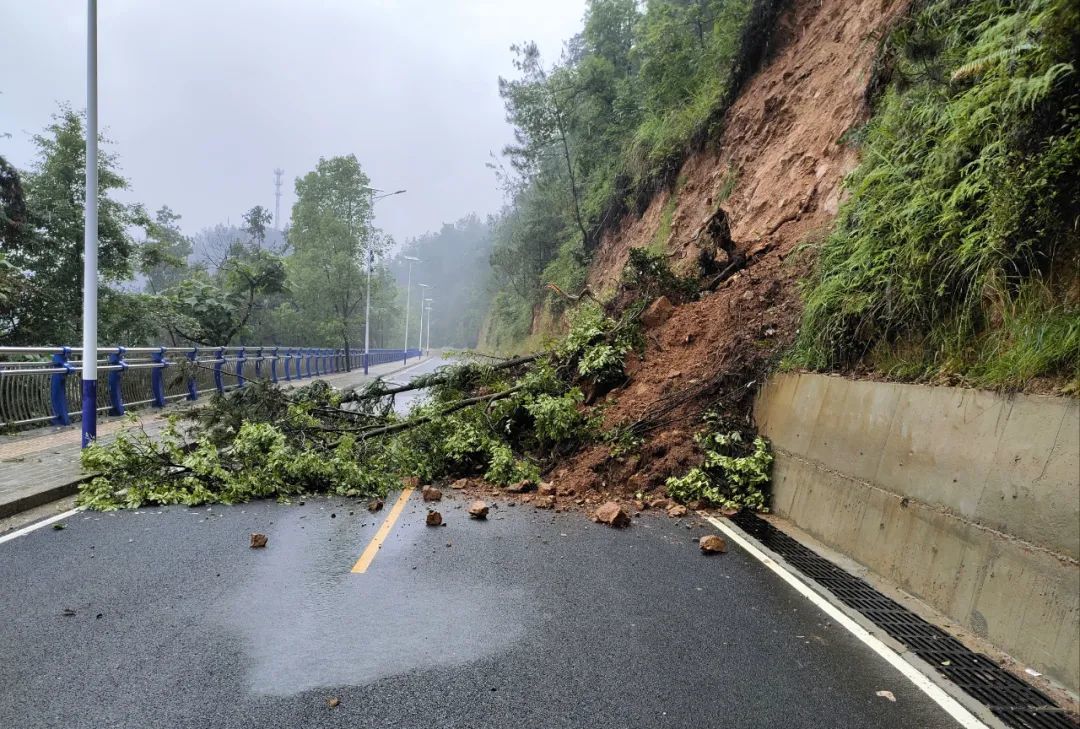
[(961, 217), (602, 130), (48, 240), (733, 475)]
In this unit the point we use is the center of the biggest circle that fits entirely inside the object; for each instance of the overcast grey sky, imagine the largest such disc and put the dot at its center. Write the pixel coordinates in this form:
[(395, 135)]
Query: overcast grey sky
[(204, 98)]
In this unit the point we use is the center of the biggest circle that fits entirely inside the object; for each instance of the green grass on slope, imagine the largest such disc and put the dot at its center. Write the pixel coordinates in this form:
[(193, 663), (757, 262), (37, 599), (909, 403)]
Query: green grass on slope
[(956, 254)]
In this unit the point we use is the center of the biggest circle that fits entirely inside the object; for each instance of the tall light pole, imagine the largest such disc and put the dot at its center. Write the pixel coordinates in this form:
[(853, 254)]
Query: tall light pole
[(420, 343), (90, 232), (428, 310), (408, 296), (367, 294)]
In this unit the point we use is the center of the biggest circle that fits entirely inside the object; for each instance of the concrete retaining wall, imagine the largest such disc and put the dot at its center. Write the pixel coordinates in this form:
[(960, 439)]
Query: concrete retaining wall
[(967, 499)]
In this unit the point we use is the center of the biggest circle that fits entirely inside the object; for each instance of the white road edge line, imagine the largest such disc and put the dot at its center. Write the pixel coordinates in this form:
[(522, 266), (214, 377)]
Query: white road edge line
[(38, 525), (410, 368), (951, 706)]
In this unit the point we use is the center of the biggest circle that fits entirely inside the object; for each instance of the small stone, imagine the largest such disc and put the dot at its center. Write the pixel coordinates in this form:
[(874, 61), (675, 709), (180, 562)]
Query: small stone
[(546, 489), (520, 487), (434, 518), (478, 510), (545, 502), (460, 483), (612, 514), (412, 482), (375, 505), (712, 544), (694, 505), (640, 505), (676, 511), (333, 703), (430, 493), (258, 541), (659, 504)]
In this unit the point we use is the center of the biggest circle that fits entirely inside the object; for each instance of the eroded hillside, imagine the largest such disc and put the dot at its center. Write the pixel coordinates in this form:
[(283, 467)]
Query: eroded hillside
[(775, 176)]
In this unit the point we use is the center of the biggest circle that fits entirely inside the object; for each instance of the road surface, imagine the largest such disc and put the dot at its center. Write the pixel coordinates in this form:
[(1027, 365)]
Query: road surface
[(166, 618)]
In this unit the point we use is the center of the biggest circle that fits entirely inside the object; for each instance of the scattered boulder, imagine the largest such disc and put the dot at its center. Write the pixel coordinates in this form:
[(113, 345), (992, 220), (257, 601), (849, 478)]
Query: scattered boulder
[(612, 514), (659, 503), (411, 482), (460, 483), (695, 505), (375, 505), (676, 511), (712, 544), (478, 510), (434, 518), (640, 505), (658, 312), (546, 489), (258, 541), (520, 487), (545, 502), (430, 493)]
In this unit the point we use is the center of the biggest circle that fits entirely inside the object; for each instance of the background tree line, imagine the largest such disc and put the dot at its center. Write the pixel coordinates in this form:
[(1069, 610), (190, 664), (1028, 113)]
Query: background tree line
[(227, 285)]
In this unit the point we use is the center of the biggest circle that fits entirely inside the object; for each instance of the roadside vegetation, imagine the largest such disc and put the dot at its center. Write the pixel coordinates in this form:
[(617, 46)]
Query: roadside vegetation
[(603, 127), (956, 255), (507, 423), (504, 423)]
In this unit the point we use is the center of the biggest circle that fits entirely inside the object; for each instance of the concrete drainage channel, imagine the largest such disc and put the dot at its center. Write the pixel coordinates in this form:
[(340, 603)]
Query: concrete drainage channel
[(1011, 700)]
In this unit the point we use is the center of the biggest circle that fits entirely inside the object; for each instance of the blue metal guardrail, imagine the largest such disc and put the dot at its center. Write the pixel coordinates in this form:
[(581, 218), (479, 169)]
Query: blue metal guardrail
[(37, 387)]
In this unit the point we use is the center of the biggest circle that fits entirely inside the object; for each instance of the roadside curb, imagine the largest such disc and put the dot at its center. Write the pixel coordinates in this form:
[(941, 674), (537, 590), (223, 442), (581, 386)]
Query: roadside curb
[(47, 495)]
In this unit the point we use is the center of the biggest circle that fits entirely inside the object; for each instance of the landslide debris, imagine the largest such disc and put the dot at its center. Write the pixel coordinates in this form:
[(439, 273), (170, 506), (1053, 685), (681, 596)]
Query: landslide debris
[(712, 544)]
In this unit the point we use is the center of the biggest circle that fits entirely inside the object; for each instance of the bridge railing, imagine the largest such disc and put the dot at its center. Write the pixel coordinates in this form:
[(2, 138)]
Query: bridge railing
[(41, 385)]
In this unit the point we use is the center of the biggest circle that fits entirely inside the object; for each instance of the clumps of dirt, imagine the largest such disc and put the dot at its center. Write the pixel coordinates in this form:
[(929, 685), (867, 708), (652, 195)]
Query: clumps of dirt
[(743, 208)]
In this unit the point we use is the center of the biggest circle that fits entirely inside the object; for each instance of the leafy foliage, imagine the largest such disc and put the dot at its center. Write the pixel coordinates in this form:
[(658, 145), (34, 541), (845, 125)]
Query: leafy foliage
[(262, 440), (50, 235), (734, 473), (598, 132), (648, 275), (597, 345), (957, 251), (254, 442)]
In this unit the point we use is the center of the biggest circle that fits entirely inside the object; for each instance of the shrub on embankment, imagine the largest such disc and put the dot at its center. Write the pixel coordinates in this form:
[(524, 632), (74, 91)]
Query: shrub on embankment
[(956, 254)]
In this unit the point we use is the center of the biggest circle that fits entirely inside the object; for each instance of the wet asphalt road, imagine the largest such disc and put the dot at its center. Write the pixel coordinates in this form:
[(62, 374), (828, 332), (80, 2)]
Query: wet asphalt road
[(531, 619)]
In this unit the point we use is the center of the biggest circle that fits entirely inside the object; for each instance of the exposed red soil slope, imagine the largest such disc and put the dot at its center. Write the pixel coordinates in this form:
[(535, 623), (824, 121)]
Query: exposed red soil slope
[(781, 147)]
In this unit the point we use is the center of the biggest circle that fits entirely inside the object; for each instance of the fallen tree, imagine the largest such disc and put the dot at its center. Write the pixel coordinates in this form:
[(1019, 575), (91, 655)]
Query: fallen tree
[(500, 421), (504, 422)]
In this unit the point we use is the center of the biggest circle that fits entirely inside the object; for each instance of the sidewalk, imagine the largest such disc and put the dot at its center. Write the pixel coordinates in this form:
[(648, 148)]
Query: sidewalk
[(42, 465)]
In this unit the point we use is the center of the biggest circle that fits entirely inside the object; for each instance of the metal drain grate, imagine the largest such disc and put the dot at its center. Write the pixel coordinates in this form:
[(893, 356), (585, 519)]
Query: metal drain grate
[(1014, 702)]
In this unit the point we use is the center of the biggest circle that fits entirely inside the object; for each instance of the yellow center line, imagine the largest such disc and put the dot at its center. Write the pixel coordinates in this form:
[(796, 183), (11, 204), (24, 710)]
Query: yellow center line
[(376, 542)]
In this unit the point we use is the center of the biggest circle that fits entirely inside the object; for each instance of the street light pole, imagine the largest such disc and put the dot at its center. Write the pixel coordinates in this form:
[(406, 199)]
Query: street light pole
[(420, 342), (428, 310), (408, 296), (90, 232), (367, 294)]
